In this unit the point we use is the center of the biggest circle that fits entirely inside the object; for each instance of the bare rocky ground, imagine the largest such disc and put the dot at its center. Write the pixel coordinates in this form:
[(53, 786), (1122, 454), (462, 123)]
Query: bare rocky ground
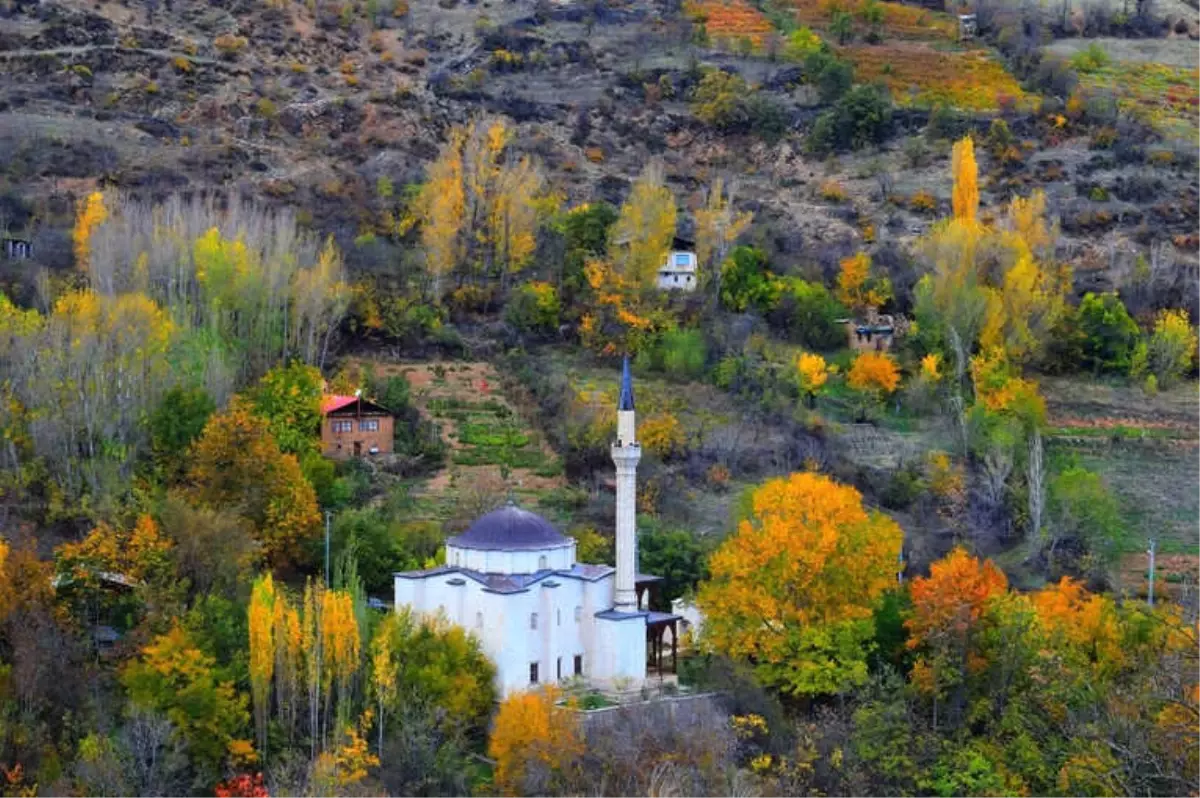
[(310, 109)]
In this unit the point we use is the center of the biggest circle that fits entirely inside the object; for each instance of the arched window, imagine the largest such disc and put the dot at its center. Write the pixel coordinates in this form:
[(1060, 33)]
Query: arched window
[(578, 614), (558, 617), (542, 563), (533, 620), (479, 620)]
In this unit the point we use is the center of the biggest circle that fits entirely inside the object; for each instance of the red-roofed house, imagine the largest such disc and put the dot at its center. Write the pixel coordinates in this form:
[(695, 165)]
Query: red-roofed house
[(352, 426)]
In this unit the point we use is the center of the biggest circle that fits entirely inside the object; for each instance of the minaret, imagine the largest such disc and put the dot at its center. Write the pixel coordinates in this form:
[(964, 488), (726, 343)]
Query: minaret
[(626, 452)]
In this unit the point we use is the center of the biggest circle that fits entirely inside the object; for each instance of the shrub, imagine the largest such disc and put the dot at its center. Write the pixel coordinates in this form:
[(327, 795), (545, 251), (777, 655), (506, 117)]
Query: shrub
[(1172, 347), (663, 435), (534, 307), (833, 191), (745, 281), (802, 43), (719, 100), (182, 64), (808, 314), (765, 117), (1109, 334), (229, 44), (832, 76), (923, 202), (1090, 59), (861, 117)]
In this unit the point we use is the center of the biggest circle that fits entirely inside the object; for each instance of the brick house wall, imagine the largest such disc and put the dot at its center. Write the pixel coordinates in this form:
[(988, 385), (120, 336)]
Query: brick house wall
[(357, 429)]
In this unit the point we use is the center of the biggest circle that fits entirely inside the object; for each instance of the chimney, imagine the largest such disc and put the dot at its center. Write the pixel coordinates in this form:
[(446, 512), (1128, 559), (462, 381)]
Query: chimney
[(626, 452)]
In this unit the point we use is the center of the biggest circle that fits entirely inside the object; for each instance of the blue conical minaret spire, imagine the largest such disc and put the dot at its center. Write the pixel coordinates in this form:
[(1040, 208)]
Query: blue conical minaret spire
[(625, 402)]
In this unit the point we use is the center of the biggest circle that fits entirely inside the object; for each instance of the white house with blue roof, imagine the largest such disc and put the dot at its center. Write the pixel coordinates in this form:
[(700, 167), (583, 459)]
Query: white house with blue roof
[(512, 579)]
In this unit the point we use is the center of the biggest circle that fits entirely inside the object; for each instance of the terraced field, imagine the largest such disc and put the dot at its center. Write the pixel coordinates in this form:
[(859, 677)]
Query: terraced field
[(1146, 448)]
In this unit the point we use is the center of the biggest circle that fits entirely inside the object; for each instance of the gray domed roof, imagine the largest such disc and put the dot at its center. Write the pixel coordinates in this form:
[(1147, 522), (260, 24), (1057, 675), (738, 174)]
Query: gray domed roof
[(510, 529)]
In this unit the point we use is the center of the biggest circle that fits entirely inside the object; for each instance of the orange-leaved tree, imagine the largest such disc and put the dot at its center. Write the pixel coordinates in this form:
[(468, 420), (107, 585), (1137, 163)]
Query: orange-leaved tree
[(947, 607), (874, 375), (237, 463), (88, 217), (794, 589), (857, 288), (535, 742)]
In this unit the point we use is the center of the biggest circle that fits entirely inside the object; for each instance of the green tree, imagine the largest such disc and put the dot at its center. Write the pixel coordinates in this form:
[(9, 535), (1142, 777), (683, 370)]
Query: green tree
[(534, 307), (808, 314), (1109, 333), (861, 117), (832, 76), (585, 237), (440, 665), (842, 27), (176, 422), (745, 280), (289, 398), (1082, 507), (675, 555)]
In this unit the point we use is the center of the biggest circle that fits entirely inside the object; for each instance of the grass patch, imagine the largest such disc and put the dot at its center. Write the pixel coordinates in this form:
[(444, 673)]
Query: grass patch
[(920, 76), (1164, 97)]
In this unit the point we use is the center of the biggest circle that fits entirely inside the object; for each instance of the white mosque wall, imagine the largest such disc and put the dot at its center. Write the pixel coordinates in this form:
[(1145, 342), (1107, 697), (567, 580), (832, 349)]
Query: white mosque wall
[(566, 625), (495, 561)]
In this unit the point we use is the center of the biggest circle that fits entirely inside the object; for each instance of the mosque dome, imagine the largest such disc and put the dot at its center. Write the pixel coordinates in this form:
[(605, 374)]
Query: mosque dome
[(510, 529)]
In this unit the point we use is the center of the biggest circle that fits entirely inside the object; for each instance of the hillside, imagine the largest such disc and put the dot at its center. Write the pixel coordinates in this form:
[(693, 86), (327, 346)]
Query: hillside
[(907, 296)]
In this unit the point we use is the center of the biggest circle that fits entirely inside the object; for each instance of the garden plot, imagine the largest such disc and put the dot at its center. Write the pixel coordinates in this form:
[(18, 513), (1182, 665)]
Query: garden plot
[(1145, 448), (490, 444)]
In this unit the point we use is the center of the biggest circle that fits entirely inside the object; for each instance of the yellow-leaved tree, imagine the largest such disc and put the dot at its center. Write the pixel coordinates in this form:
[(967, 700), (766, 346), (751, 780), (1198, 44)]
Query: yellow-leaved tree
[(812, 374), (641, 237), (262, 626), (480, 206), (535, 741), (966, 180), (793, 591)]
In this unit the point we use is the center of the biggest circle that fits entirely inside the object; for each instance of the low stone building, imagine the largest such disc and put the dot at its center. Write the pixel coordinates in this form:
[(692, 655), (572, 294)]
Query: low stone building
[(679, 273), (353, 427)]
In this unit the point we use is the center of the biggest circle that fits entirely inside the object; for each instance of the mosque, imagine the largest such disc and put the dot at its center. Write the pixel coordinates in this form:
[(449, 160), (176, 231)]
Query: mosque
[(512, 580)]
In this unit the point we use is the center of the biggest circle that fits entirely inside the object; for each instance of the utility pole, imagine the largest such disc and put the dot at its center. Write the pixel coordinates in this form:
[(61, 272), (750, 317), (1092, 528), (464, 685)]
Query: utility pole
[(328, 514), (1150, 551)]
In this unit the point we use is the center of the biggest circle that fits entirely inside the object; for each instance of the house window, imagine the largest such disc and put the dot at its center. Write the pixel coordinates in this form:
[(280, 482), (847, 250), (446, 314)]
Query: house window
[(578, 614), (368, 425), (578, 664), (479, 620), (533, 673), (558, 675), (343, 426), (542, 563), (677, 279), (558, 617), (533, 621), (681, 259)]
